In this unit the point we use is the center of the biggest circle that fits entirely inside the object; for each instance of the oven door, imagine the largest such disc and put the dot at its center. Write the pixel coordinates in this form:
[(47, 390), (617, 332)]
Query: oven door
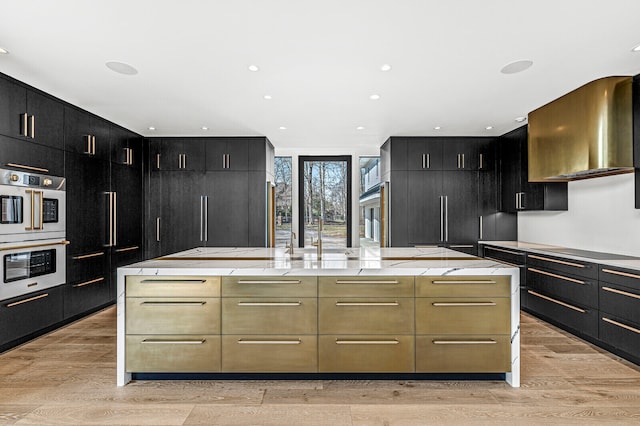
[(26, 212), (31, 266)]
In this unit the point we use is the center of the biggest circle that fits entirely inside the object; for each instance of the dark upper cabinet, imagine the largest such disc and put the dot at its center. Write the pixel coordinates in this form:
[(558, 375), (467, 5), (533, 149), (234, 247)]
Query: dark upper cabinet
[(86, 134), (180, 154), (424, 154), (460, 154), (227, 154), (26, 156), (13, 106)]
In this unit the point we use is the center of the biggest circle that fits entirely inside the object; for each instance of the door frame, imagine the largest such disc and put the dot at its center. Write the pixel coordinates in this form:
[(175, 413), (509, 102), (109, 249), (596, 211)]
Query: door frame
[(301, 161)]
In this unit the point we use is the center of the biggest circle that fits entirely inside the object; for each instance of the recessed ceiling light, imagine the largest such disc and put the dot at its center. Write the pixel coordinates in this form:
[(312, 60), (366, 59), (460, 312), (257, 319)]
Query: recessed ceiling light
[(253, 68), (516, 67), (151, 128), (283, 128), (360, 128), (489, 127), (437, 128), (385, 68), (267, 97), (636, 49), (204, 128), (374, 97), (4, 51), (121, 68), (520, 119)]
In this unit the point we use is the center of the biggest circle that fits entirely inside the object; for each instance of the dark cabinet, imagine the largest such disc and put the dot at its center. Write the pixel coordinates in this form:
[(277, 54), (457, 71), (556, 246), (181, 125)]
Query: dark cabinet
[(26, 156), (86, 134), (636, 136), (517, 193), (421, 154), (181, 154), (424, 210), (514, 258), (228, 214), (460, 154), (227, 154)]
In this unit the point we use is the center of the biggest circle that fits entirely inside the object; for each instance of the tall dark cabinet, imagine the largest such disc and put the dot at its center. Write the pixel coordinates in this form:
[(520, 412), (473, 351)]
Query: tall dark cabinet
[(636, 135)]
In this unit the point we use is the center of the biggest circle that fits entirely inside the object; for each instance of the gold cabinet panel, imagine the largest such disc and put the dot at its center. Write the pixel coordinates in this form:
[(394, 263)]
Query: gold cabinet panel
[(361, 286), (463, 315), (276, 315), (284, 286), (174, 315), (463, 354), (172, 354), (270, 354), (366, 354), (463, 286), (349, 315), (172, 286)]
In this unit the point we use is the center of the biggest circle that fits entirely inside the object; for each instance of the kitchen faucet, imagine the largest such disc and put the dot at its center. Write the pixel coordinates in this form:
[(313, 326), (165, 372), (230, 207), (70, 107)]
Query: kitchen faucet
[(289, 247), (318, 243)]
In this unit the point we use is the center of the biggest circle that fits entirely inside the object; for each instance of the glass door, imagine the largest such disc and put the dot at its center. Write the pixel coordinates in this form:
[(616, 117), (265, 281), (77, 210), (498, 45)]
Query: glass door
[(325, 196)]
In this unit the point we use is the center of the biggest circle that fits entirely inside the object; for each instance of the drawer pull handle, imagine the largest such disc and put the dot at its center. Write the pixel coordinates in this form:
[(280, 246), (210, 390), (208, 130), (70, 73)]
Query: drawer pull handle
[(575, 265), (97, 280), (562, 277), (173, 281), (619, 324), (464, 282), (367, 304), (31, 299), (22, 166), (174, 303), (270, 282), (127, 249), (461, 246), (88, 256), (624, 293), (464, 342), (501, 261), (269, 342), (622, 274), (504, 251), (367, 342), (269, 303), (172, 342), (446, 304), (566, 305), (367, 282)]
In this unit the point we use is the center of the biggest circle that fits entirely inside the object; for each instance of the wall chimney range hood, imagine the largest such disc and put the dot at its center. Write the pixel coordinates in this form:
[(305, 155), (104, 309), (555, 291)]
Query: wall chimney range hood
[(583, 134)]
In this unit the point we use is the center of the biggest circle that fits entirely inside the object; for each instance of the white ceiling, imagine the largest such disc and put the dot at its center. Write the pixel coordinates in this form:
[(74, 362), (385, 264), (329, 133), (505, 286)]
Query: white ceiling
[(319, 60)]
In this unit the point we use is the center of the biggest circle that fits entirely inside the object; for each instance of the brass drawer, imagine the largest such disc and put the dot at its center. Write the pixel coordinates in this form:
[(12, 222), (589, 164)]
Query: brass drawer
[(172, 315), (172, 354), (464, 286), (285, 286), (270, 354), (366, 354), (350, 315), (376, 286), (276, 315), (463, 354), (172, 286), (463, 315)]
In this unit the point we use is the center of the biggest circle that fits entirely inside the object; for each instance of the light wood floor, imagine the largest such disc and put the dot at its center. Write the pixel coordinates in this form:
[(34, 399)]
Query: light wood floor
[(68, 377)]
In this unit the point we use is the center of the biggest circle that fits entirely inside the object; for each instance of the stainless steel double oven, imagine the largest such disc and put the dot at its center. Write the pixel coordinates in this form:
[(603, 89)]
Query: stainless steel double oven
[(32, 232)]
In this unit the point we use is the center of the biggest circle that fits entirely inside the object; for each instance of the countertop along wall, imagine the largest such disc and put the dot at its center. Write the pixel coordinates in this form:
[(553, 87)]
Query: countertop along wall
[(601, 217)]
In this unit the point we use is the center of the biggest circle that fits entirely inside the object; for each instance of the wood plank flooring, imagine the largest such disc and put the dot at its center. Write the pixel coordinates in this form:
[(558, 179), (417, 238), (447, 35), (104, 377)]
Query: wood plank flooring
[(68, 377)]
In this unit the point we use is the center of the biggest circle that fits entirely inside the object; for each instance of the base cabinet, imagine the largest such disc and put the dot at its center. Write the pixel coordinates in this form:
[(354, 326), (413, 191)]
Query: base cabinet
[(463, 353), (366, 354), (157, 353), (270, 353)]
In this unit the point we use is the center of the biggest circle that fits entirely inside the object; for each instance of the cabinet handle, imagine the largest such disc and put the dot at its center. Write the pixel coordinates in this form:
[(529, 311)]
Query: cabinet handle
[(449, 304), (269, 303), (206, 218), (179, 161), (25, 124), (228, 161), (463, 282), (173, 303), (32, 130), (619, 324), (462, 161), (269, 282), (367, 282), (481, 228), (157, 229), (458, 160), (441, 218), (566, 305), (178, 281), (269, 342), (561, 277), (201, 217), (158, 161), (367, 342), (481, 161), (624, 293), (504, 251), (31, 299), (22, 166), (87, 256), (367, 303), (461, 246), (502, 261), (115, 218), (424, 161), (63, 242), (622, 274), (173, 342), (97, 280), (110, 242), (184, 161), (93, 145), (575, 265), (446, 218), (464, 342), (88, 150), (121, 250)]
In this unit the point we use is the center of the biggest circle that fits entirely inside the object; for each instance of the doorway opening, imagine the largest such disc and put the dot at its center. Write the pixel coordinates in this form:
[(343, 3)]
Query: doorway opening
[(325, 195)]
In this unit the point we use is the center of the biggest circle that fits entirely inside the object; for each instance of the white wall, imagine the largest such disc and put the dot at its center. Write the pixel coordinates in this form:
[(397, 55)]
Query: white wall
[(601, 217)]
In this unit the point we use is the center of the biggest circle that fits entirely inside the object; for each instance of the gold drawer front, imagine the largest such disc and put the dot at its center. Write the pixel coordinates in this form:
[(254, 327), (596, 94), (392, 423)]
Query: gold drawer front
[(464, 286), (172, 315), (463, 354), (270, 354), (172, 354), (269, 286), (463, 315), (366, 354), (365, 286), (172, 286), (349, 315), (269, 315)]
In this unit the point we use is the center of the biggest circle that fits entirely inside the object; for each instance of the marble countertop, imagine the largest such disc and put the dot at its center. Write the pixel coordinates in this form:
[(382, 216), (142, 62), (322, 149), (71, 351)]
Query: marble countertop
[(611, 259), (350, 261)]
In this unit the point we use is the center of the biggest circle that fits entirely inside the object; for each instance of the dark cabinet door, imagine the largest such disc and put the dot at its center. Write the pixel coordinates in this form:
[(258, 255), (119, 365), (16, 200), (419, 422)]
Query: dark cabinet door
[(182, 222), (257, 154), (47, 125), (399, 215), (460, 154), (13, 104), (185, 154), (397, 149), (487, 190), (462, 221), (257, 209), (425, 208), (230, 154), (23, 155), (228, 209), (424, 153), (86, 134)]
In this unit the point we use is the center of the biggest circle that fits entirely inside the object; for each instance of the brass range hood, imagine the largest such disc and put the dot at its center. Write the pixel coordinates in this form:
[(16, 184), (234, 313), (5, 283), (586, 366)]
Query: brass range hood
[(583, 134)]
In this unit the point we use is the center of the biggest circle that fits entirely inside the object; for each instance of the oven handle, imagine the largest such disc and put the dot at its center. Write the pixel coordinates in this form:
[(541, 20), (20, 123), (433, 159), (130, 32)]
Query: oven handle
[(63, 242)]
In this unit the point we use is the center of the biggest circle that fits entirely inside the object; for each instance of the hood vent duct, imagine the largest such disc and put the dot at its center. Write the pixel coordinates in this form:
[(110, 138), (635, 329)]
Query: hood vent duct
[(585, 133)]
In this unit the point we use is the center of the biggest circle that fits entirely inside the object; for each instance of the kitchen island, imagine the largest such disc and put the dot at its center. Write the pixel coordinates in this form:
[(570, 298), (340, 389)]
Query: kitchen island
[(256, 310)]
